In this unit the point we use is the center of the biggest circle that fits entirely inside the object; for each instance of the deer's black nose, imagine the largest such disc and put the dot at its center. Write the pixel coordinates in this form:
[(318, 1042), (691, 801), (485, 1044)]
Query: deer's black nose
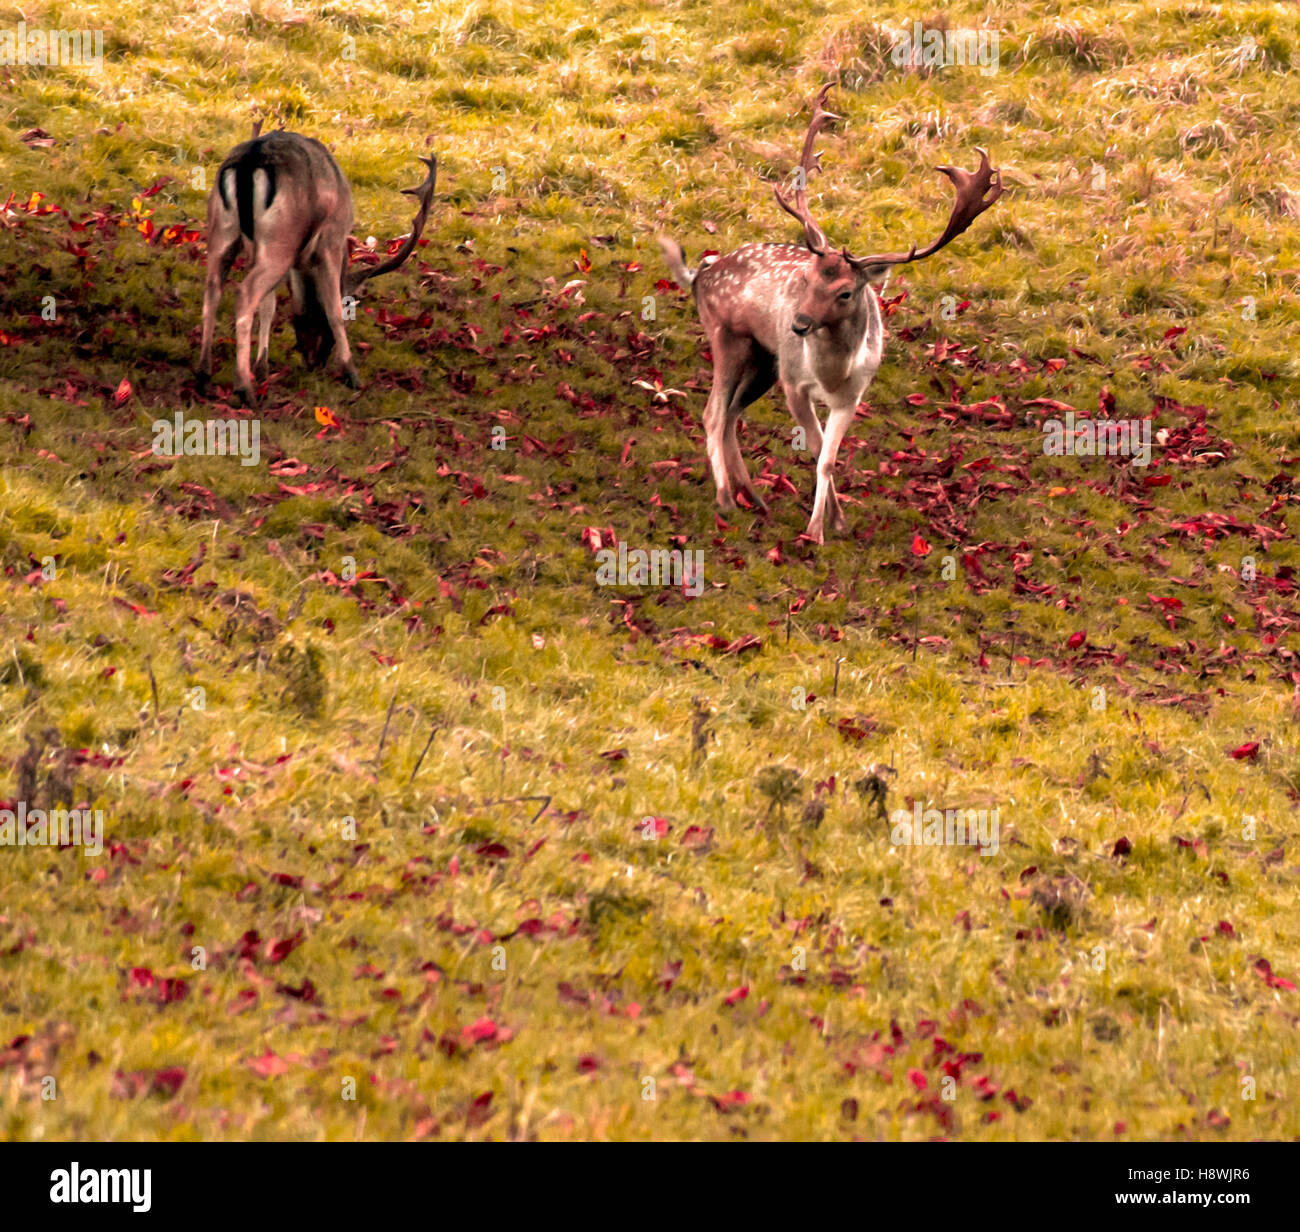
[(802, 324)]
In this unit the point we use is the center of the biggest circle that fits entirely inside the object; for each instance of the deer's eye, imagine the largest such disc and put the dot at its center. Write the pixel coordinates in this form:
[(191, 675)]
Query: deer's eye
[(845, 296)]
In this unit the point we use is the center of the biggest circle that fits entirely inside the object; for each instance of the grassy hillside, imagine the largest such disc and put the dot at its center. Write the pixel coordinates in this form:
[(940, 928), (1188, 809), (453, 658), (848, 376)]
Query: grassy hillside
[(414, 830)]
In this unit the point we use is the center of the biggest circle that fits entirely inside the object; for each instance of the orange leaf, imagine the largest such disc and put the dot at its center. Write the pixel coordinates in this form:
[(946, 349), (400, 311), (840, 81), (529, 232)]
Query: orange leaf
[(326, 418)]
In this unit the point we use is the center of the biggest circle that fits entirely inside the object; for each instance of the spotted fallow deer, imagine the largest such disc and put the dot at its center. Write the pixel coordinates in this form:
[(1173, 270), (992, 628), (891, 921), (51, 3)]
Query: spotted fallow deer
[(282, 200), (806, 316)]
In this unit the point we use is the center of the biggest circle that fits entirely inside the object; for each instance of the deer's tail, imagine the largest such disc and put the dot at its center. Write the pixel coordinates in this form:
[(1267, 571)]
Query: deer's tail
[(675, 255), (253, 159)]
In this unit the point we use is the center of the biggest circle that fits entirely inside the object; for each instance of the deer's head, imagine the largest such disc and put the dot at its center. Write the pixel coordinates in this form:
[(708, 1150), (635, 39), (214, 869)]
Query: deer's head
[(831, 293), (835, 281)]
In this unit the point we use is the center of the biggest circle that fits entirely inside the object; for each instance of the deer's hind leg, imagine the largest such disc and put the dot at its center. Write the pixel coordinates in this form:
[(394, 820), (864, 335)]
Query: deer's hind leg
[(742, 372), (760, 376), (221, 256)]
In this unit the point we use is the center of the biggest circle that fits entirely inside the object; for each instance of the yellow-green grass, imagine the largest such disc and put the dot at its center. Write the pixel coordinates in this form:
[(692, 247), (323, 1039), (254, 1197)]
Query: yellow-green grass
[(1152, 171)]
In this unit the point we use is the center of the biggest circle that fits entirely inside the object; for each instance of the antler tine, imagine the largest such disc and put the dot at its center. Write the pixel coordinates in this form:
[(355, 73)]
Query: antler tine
[(809, 162), (424, 194), (976, 191)]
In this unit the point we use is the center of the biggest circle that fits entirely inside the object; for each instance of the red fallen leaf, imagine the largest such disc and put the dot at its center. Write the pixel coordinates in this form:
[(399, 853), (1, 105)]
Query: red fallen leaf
[(1122, 848), (748, 642), (135, 607), (478, 1109), (123, 392), (484, 1030), (917, 1079), (1265, 970), (614, 754), (584, 262), (736, 995), (167, 1082), (1217, 1120), (1225, 929), (1077, 639), (1174, 332), (1171, 604), (920, 547), (1156, 481), (732, 1099), (170, 990), (141, 977), (268, 1065), (587, 1064), (659, 825), (1245, 752), (849, 1109), (164, 1082), (278, 951), (698, 838), (307, 992), (248, 944)]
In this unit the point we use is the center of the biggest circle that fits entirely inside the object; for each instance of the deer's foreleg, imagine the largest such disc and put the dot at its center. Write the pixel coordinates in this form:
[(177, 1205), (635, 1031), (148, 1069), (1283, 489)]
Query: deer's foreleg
[(325, 272), (805, 416), (837, 424)]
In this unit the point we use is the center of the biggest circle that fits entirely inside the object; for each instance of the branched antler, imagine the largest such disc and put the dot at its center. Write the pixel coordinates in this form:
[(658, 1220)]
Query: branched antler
[(809, 162), (976, 191), (424, 194)]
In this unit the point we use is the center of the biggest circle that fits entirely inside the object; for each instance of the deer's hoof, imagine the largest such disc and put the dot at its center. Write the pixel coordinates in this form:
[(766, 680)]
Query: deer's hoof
[(246, 397), (201, 381), (350, 375), (262, 369)]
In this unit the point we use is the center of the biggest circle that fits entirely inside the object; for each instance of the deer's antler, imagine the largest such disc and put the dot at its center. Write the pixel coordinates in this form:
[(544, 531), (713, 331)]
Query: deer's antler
[(813, 235), (424, 194), (976, 191)]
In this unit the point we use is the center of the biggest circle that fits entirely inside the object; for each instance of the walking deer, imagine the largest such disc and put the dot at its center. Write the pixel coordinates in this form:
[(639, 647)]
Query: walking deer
[(806, 316), (282, 200)]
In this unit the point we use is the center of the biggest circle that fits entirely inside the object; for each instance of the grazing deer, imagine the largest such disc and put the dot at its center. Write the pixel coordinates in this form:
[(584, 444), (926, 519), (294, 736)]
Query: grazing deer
[(806, 316), (282, 199)]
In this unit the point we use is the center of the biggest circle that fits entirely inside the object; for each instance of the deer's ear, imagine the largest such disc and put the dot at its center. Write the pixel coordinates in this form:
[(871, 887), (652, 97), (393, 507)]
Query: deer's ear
[(875, 273)]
